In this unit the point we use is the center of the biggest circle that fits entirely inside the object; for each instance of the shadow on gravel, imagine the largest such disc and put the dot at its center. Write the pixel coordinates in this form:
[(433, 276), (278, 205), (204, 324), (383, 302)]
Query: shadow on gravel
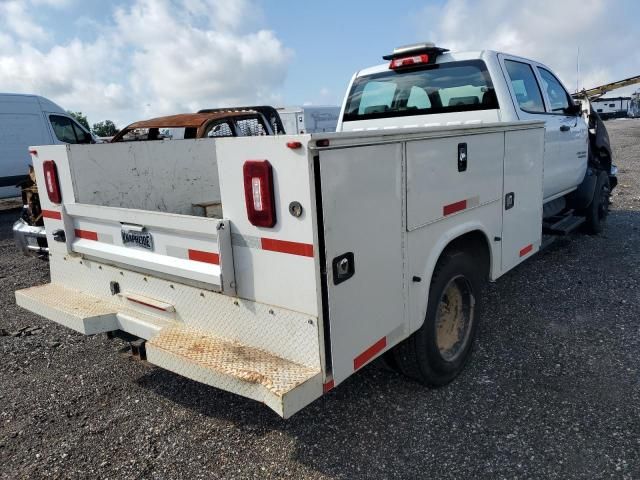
[(7, 218)]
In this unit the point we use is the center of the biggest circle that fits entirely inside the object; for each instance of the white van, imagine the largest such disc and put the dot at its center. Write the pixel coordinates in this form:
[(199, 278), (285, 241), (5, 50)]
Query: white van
[(30, 120)]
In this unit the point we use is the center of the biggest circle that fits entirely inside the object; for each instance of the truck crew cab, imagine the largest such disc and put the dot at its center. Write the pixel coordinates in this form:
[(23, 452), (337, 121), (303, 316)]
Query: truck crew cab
[(426, 86), (329, 249)]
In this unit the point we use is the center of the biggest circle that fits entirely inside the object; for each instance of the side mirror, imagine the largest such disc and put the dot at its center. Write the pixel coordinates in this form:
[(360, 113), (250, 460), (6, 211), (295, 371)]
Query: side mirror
[(574, 109)]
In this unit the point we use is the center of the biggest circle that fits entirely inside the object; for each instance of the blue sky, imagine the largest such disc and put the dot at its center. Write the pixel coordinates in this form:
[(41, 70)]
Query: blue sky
[(131, 60)]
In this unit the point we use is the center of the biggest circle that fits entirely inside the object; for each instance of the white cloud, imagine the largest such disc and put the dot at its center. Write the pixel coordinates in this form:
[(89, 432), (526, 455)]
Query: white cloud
[(18, 21), (155, 57), (549, 31)]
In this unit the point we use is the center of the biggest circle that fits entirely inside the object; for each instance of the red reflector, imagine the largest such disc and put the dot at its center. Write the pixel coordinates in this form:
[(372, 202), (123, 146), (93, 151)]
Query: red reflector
[(51, 181), (52, 214), (322, 143), (408, 61), (259, 193), (294, 145), (369, 353), (33, 152), (526, 250), (328, 386), (86, 234), (206, 257)]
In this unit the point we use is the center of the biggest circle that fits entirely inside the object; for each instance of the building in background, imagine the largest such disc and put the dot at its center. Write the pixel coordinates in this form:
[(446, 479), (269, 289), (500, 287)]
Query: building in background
[(612, 107), (634, 105)]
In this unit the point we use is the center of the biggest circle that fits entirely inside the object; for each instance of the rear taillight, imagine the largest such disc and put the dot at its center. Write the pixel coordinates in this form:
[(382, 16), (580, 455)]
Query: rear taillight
[(51, 181), (258, 193)]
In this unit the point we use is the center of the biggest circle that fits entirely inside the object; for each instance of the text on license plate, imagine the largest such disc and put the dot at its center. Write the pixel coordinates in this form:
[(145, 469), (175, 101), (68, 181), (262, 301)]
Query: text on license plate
[(137, 239)]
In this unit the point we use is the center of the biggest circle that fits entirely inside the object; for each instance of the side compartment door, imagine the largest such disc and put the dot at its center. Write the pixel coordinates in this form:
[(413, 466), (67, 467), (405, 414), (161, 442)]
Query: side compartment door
[(363, 232), (522, 200)]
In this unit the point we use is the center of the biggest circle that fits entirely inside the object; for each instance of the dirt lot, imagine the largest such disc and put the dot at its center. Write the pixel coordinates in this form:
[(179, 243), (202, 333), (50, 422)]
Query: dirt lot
[(553, 390)]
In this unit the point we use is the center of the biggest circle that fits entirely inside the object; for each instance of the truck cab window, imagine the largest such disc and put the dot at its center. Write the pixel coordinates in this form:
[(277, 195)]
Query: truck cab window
[(418, 98), (558, 96), (525, 86), (376, 97), (68, 131), (441, 88)]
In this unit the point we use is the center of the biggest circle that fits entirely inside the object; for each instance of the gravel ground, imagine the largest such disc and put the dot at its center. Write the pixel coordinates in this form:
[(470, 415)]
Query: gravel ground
[(553, 390)]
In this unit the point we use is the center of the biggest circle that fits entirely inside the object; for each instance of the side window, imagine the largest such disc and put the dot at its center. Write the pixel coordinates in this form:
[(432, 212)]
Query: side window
[(222, 129), (558, 96), (81, 135), (525, 86), (418, 98), (377, 97), (63, 128), (68, 131)]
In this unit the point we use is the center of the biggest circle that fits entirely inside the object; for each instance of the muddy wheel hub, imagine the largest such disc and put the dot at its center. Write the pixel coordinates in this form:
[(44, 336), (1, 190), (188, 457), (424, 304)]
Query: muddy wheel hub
[(454, 318)]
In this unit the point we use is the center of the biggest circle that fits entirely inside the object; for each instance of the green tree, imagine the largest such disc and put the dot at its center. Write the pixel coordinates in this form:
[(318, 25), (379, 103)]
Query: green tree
[(80, 118), (104, 129)]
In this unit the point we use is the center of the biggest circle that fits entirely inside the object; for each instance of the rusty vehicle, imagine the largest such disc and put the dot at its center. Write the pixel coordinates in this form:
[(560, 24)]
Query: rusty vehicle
[(225, 123)]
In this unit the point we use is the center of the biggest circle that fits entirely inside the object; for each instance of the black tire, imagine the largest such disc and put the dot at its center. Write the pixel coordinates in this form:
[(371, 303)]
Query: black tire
[(597, 212), (419, 356)]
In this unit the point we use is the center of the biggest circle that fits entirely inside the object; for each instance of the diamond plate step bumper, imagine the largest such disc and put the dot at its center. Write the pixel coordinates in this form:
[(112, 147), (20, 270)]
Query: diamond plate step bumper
[(87, 314), (282, 385)]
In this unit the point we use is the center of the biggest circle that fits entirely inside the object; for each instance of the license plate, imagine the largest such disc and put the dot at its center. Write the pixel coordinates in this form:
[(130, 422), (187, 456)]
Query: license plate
[(135, 238)]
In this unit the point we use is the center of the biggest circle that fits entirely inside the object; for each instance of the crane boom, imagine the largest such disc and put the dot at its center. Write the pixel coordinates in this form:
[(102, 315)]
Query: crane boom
[(598, 91)]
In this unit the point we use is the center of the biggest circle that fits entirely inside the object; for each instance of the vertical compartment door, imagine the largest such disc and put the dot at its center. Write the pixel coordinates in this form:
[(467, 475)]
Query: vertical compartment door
[(522, 195), (363, 231)]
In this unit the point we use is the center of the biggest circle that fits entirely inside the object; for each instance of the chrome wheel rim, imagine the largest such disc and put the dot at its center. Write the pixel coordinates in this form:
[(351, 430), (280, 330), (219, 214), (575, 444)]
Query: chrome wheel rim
[(454, 318)]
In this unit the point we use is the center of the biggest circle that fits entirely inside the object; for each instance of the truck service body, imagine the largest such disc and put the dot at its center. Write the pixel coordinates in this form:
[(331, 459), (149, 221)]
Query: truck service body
[(330, 250)]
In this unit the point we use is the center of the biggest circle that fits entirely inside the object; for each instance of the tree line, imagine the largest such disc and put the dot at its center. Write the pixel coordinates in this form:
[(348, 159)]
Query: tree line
[(101, 129)]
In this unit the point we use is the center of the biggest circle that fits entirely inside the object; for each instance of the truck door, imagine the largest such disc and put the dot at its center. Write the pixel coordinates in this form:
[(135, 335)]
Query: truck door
[(363, 233), (572, 131), (529, 104)]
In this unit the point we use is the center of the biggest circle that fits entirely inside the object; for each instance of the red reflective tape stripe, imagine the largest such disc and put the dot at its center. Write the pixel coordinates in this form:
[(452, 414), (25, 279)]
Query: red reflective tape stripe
[(454, 207), (526, 250), (86, 234), (135, 300), (52, 214), (206, 257), (282, 246), (369, 353), (328, 386)]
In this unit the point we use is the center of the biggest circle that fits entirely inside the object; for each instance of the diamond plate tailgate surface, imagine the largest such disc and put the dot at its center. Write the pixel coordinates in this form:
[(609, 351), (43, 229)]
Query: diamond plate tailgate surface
[(283, 385)]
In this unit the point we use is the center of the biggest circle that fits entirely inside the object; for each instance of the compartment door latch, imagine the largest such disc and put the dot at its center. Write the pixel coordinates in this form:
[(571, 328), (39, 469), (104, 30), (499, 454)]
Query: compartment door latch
[(343, 267)]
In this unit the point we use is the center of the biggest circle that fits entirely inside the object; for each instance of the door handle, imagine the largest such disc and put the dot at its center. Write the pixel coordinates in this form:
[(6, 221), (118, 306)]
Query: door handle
[(565, 128)]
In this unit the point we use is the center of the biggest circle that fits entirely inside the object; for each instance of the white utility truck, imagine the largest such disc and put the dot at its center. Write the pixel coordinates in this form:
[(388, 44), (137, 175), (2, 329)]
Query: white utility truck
[(331, 249)]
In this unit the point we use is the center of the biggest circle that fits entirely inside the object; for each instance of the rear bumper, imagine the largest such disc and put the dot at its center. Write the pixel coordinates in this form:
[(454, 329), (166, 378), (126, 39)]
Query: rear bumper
[(283, 385), (31, 240)]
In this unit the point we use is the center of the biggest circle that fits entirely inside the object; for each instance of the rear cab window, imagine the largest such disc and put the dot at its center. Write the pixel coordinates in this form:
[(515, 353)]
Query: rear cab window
[(439, 88), (525, 86), (68, 131)]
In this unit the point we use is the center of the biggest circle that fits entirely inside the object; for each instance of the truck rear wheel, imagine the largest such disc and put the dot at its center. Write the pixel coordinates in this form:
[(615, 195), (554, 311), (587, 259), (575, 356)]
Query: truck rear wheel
[(436, 353), (598, 210)]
